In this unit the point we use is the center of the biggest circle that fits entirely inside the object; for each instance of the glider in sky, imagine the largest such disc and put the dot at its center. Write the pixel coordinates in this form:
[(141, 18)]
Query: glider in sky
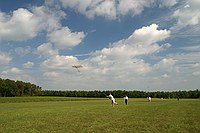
[(77, 67)]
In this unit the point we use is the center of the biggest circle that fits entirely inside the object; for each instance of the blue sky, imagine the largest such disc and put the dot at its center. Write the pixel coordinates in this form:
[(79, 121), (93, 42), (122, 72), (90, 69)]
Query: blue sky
[(149, 45)]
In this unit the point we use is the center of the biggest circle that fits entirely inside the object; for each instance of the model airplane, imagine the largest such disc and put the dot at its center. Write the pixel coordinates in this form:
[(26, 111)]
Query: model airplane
[(77, 67)]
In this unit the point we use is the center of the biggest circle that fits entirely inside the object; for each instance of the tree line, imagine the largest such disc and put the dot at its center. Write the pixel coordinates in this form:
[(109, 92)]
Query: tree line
[(122, 93), (10, 88)]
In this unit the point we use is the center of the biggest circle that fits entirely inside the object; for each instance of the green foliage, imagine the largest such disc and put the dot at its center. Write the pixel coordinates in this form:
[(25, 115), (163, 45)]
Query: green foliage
[(11, 88), (41, 99), (58, 116), (122, 93)]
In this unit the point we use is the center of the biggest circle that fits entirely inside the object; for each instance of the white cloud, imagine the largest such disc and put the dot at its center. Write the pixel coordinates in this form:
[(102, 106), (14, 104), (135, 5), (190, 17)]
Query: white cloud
[(51, 75), (46, 50), (118, 62), (189, 15), (13, 70), (150, 34), (49, 17), (60, 62), (92, 8), (24, 24), (120, 57), (23, 50), (102, 8), (122, 64), (166, 64), (21, 25), (133, 7), (113, 9), (165, 75), (16, 74), (197, 73), (4, 58), (189, 57), (167, 3), (65, 38), (192, 48), (142, 42), (28, 64), (187, 64)]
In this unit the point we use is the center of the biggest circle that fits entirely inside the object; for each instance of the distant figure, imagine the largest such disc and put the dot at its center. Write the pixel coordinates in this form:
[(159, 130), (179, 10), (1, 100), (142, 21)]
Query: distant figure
[(126, 99), (112, 99), (178, 98), (149, 99)]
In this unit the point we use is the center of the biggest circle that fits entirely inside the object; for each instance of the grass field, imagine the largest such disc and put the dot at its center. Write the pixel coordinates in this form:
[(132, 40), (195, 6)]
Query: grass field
[(63, 115)]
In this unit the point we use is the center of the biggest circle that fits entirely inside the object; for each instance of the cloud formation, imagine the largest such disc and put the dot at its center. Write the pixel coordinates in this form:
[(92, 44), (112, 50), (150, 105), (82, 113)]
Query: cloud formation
[(4, 58), (113, 9), (118, 62), (46, 50), (20, 25), (188, 15), (142, 57), (64, 38), (28, 64)]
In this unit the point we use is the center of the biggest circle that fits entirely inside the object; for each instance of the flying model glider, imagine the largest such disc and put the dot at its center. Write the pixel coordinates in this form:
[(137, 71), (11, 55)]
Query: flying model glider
[(77, 67)]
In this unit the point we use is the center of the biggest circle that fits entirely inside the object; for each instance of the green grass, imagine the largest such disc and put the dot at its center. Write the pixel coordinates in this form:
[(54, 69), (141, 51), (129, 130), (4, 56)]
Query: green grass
[(41, 99), (62, 115)]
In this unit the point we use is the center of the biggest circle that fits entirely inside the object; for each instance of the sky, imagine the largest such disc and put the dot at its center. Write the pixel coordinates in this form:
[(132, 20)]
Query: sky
[(147, 45)]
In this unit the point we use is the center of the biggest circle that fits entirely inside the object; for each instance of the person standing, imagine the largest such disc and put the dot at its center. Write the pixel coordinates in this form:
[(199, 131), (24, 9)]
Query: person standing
[(126, 99)]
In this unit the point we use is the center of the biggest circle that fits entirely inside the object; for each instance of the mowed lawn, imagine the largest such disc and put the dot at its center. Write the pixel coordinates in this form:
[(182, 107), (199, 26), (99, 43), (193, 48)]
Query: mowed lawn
[(65, 115)]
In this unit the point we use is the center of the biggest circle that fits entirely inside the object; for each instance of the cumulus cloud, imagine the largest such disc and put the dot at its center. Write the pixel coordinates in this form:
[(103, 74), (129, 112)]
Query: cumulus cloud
[(189, 15), (102, 8), (59, 62), (46, 50), (133, 7), (119, 59), (65, 38), (23, 50), (150, 34), (23, 24), (49, 17), (4, 58), (92, 8), (186, 63), (51, 74), (166, 64), (113, 9), (142, 42), (20, 25), (28, 64), (167, 3), (16, 74), (188, 57), (13, 70)]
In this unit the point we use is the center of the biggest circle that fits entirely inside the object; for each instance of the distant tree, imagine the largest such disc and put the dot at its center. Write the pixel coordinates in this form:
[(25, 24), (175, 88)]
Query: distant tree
[(9, 88)]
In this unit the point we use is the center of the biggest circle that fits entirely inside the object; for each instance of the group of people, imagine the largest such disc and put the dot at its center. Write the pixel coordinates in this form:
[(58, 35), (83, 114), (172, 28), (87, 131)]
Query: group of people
[(113, 101)]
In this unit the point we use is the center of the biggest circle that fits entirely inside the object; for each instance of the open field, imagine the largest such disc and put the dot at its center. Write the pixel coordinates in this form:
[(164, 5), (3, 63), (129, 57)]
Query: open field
[(62, 115)]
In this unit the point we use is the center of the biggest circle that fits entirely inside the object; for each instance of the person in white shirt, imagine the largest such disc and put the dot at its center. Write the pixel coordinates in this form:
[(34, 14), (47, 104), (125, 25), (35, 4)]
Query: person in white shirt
[(112, 99), (126, 99), (149, 99)]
